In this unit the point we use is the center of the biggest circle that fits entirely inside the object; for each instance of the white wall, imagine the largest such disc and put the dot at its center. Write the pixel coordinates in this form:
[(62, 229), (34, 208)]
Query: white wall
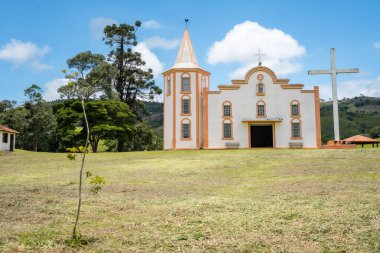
[(6, 146), (277, 102)]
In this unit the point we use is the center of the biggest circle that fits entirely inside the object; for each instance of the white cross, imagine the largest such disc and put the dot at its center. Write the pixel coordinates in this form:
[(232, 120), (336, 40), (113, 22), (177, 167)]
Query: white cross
[(333, 72), (259, 54)]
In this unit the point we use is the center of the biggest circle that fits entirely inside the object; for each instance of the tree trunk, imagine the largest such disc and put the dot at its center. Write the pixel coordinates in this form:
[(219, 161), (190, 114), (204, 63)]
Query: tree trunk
[(120, 146), (94, 146), (74, 235)]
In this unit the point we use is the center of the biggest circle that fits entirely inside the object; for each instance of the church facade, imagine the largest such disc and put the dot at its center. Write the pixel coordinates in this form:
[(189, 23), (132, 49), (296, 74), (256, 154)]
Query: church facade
[(259, 110)]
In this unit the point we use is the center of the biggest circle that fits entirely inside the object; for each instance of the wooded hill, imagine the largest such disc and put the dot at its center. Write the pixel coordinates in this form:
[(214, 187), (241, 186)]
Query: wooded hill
[(358, 115)]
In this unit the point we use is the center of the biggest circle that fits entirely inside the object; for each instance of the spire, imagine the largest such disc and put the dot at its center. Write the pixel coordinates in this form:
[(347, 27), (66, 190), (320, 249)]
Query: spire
[(186, 56)]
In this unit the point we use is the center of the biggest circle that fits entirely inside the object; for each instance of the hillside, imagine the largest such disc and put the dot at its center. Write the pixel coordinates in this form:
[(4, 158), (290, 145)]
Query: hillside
[(359, 115)]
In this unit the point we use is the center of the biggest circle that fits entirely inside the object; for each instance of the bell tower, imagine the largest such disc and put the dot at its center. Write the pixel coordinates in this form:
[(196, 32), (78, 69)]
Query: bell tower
[(184, 84)]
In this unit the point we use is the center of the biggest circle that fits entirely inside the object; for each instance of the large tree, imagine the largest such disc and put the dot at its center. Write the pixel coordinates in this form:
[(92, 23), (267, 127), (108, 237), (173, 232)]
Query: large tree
[(107, 120), (131, 81)]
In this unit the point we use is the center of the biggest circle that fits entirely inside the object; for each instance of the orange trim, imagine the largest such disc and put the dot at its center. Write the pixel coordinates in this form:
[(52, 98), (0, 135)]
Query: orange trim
[(174, 144), (293, 102), (205, 118), (257, 109), (197, 108), (202, 71), (232, 127), (273, 134), (182, 76), (182, 98), (213, 92), (186, 139), (264, 69), (230, 104), (307, 91), (317, 117), (229, 87), (291, 130), (292, 86)]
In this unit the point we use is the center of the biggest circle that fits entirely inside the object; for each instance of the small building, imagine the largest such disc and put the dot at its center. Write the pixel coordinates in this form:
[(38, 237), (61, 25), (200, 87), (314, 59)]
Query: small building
[(362, 140), (259, 110), (7, 138)]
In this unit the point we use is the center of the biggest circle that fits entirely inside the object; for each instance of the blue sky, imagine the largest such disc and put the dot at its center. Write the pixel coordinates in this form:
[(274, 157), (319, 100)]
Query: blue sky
[(38, 36)]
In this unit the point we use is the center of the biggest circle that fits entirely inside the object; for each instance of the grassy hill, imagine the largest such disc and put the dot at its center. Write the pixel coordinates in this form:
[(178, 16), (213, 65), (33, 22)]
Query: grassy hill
[(195, 201), (359, 115)]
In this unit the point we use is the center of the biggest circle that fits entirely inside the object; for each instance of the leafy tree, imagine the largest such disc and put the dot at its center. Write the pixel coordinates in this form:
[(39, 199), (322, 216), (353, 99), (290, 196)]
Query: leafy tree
[(131, 82), (81, 65), (6, 105), (107, 120)]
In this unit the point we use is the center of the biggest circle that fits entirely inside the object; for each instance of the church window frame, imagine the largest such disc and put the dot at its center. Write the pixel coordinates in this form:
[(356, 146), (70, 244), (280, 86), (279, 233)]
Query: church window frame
[(185, 105), (296, 129), (185, 83), (295, 109), (261, 110), (186, 129), (227, 129), (168, 86), (227, 109)]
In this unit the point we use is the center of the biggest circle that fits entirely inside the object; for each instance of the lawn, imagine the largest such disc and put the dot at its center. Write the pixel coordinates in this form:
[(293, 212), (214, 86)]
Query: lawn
[(195, 201)]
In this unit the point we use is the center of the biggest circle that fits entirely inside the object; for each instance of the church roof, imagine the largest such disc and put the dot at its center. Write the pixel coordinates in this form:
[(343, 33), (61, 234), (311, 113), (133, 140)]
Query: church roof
[(360, 138), (186, 56)]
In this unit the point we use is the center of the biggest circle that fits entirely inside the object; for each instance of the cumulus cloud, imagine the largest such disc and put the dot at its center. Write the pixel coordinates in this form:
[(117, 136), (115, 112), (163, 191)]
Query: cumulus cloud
[(377, 45), (24, 53), (352, 88), (150, 59), (97, 26), (51, 88), (158, 42), (241, 44), (150, 24)]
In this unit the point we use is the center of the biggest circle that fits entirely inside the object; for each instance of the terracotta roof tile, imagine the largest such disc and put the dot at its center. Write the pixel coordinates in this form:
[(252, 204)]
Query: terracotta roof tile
[(360, 138), (7, 129)]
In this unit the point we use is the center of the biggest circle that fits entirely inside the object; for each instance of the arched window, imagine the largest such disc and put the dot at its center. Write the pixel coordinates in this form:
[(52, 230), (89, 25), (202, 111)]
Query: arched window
[(168, 86), (227, 109), (260, 89), (186, 129), (185, 83), (186, 105), (261, 109), (227, 129), (295, 108), (296, 133)]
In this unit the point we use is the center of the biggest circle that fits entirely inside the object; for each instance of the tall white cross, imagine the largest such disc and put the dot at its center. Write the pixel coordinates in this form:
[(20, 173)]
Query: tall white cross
[(259, 54), (333, 72)]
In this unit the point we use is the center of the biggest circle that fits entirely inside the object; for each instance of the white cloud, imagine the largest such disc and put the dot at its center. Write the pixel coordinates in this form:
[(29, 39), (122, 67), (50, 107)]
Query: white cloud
[(158, 42), (377, 45), (151, 24), (20, 53), (97, 26), (51, 88), (150, 59), (352, 88), (242, 43)]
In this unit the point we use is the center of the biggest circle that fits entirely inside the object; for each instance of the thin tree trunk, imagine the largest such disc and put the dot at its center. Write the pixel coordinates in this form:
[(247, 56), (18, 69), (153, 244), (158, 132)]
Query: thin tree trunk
[(120, 146), (81, 171)]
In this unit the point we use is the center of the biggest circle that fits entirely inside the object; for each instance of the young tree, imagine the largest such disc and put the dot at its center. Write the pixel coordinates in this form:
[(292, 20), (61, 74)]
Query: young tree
[(131, 82)]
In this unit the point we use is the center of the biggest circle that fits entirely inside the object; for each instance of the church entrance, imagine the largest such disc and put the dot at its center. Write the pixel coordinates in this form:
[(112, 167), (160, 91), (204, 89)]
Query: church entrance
[(261, 136)]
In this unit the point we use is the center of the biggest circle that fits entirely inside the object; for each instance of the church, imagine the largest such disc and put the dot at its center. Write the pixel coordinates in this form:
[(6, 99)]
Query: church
[(257, 111)]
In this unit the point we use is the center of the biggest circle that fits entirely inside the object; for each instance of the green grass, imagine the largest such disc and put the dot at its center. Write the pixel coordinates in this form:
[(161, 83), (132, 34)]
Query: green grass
[(195, 201)]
